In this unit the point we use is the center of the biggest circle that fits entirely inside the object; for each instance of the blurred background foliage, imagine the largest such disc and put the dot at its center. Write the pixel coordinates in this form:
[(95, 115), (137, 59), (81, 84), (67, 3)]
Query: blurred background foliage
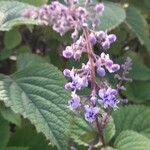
[(24, 41)]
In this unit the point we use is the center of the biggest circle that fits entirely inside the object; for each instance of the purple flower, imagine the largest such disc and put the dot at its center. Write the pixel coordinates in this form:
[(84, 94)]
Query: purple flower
[(101, 35), (106, 44), (68, 52), (115, 67), (90, 113), (68, 86), (74, 35), (99, 8), (104, 60), (67, 72), (74, 103), (93, 39), (77, 55), (79, 82), (112, 38), (101, 71), (108, 97), (93, 99), (86, 68)]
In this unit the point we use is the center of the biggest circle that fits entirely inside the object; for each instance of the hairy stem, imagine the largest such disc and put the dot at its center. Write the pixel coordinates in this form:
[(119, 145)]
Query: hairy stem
[(93, 83)]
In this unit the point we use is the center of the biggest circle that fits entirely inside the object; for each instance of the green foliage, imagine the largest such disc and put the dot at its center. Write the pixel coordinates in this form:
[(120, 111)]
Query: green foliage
[(114, 10), (133, 118), (138, 91), (34, 2), (83, 134), (113, 16), (12, 39), (140, 71), (11, 14), (5, 53), (23, 136), (4, 133), (109, 131), (132, 140), (26, 60), (138, 24), (33, 89), (16, 148), (10, 116), (37, 93)]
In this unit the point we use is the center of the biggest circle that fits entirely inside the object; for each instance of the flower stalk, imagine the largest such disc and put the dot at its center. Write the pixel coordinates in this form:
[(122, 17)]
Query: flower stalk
[(103, 99)]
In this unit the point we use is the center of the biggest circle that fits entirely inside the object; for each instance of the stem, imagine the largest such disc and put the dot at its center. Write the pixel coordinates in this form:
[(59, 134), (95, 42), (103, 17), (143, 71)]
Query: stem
[(93, 83)]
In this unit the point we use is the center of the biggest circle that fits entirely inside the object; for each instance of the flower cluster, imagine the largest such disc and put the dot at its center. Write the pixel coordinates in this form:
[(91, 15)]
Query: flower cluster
[(71, 16), (102, 38), (108, 98)]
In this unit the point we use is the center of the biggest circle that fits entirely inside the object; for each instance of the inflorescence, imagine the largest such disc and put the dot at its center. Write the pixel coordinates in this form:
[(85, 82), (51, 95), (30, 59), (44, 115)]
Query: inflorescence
[(70, 17)]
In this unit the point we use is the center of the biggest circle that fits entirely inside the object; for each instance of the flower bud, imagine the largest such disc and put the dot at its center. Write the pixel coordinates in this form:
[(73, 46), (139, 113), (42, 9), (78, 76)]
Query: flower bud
[(99, 8), (68, 52), (77, 55), (112, 38), (68, 86), (74, 103), (101, 35), (115, 67), (67, 72), (101, 71), (93, 39), (74, 35), (106, 44)]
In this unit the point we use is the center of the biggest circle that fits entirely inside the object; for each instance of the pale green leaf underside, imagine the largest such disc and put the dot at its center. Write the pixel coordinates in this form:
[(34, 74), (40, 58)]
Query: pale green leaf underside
[(133, 117), (11, 14), (38, 94), (131, 140)]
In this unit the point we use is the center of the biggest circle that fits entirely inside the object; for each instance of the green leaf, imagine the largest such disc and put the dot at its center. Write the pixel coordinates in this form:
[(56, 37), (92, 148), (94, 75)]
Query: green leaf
[(144, 6), (4, 133), (138, 25), (11, 14), (133, 117), (38, 94), (108, 148), (10, 116), (23, 49), (28, 59), (138, 91), (5, 53), (112, 17), (109, 131), (130, 140), (22, 137), (16, 148), (12, 39), (34, 2), (140, 71), (81, 132)]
